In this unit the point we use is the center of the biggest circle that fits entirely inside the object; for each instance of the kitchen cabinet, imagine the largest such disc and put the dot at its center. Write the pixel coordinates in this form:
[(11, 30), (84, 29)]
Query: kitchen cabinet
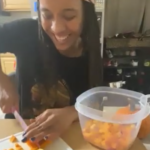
[(7, 63), (16, 5)]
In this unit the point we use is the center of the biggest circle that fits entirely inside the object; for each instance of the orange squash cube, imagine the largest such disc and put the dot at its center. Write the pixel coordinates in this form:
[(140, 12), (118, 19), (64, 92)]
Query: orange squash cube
[(18, 147), (13, 139), (42, 143)]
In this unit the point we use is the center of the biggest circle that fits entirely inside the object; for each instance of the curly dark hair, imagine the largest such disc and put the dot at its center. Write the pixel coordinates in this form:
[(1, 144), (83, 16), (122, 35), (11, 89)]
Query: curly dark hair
[(91, 44)]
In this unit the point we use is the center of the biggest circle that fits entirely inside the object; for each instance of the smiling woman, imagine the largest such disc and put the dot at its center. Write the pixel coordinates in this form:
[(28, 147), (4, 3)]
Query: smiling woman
[(58, 58), (62, 23)]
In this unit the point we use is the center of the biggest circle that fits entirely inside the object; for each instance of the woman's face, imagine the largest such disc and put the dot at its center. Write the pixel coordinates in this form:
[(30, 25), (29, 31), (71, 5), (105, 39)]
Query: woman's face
[(62, 21)]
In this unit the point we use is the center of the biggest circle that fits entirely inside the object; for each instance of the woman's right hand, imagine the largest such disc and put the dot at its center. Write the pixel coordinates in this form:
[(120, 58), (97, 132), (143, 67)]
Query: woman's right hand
[(8, 94)]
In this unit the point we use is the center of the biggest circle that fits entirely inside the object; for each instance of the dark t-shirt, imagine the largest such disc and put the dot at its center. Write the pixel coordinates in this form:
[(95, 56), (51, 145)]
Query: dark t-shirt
[(21, 38)]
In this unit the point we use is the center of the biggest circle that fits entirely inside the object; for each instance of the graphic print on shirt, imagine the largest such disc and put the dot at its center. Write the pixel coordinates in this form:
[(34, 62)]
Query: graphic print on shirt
[(57, 96)]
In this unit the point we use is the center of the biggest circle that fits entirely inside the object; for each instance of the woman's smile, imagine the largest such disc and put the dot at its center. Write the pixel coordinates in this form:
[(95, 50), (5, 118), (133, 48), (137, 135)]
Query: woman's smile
[(62, 39)]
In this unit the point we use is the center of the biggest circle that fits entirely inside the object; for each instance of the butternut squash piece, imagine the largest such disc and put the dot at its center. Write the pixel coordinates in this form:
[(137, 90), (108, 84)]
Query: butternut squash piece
[(18, 147), (145, 125), (42, 143), (107, 135), (13, 139), (32, 145)]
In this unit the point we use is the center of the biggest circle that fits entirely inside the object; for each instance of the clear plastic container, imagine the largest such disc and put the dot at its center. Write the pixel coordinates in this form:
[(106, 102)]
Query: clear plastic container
[(102, 126)]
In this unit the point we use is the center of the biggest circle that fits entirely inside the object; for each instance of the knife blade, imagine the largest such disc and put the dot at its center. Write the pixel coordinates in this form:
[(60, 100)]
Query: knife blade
[(20, 120), (22, 123)]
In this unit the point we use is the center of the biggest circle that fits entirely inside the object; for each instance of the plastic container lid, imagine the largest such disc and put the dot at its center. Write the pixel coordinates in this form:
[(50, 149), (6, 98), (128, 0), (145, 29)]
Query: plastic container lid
[(105, 117)]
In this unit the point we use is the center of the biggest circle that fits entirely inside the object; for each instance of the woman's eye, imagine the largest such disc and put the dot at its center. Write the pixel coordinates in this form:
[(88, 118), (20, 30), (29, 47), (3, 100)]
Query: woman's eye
[(47, 16), (69, 18)]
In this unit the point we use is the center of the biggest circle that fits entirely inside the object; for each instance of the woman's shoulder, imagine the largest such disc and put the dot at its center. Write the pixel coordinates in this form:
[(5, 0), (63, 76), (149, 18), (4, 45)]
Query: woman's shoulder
[(25, 26), (19, 33), (22, 28), (24, 23)]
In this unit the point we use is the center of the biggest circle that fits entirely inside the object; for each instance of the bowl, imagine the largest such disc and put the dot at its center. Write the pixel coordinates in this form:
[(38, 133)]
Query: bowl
[(102, 126)]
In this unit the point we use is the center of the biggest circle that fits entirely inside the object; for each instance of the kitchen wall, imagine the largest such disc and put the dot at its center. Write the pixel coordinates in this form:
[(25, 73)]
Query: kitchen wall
[(14, 16), (123, 16), (146, 24)]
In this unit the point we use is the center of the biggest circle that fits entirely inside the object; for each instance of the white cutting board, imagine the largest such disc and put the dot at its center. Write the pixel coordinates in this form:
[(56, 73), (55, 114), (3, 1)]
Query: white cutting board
[(56, 145)]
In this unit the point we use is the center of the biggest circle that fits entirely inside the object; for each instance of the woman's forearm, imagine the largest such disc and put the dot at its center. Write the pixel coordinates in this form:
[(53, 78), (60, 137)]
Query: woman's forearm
[(72, 113)]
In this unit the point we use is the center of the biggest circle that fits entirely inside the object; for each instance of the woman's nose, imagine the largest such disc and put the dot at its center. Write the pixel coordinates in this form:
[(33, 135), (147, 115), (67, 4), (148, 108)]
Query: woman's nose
[(58, 27)]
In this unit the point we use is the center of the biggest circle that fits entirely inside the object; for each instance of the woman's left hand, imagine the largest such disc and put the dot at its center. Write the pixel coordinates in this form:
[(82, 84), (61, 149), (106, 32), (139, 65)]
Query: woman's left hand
[(51, 124)]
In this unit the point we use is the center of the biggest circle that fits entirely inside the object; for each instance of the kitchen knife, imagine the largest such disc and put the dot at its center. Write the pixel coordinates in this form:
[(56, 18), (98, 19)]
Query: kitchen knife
[(22, 123), (20, 120)]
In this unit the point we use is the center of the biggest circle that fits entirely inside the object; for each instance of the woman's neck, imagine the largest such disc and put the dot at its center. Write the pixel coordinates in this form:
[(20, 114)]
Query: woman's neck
[(74, 51)]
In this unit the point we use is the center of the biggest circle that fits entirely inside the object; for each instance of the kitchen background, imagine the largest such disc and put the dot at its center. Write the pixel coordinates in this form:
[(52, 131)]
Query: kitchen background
[(14, 16), (125, 42)]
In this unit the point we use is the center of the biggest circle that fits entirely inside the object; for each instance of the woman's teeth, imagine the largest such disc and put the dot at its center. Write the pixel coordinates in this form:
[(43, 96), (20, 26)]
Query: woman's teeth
[(61, 39)]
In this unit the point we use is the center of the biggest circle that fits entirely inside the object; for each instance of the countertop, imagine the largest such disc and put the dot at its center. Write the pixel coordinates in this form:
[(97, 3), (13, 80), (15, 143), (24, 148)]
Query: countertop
[(146, 142), (72, 137)]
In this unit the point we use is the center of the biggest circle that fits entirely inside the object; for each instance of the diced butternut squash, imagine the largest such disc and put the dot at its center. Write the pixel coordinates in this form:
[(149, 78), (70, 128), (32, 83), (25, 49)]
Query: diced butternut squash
[(32, 145), (145, 125), (18, 147), (13, 139), (108, 135), (42, 143)]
